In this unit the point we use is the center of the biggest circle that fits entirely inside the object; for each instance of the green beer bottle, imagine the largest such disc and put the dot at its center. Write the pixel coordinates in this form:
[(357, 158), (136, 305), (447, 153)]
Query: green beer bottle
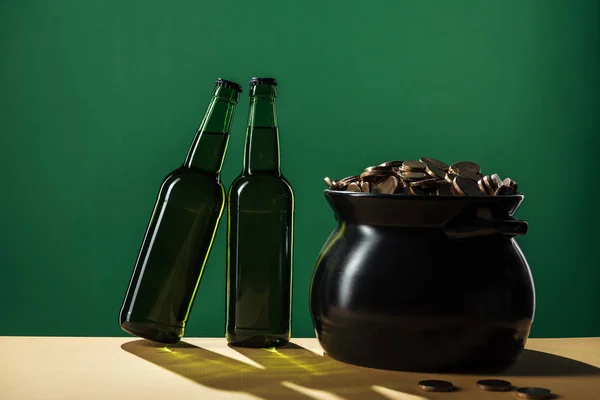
[(181, 229), (260, 214)]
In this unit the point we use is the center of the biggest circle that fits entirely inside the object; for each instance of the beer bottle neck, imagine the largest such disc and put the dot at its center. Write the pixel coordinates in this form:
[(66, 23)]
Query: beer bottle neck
[(210, 143), (261, 153)]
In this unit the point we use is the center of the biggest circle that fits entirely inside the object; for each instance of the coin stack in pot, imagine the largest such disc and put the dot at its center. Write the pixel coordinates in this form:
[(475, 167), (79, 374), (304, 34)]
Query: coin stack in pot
[(425, 177)]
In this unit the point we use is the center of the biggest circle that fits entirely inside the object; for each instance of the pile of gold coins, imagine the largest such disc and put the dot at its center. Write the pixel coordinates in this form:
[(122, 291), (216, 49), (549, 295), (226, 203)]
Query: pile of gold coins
[(425, 177)]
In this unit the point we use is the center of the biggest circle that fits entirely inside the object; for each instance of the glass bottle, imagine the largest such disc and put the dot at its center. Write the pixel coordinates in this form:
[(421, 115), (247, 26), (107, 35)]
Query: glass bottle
[(260, 233), (181, 230)]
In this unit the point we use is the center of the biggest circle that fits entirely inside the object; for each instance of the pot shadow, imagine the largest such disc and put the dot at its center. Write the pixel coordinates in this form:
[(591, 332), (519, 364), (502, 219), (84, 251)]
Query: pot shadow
[(294, 372), (538, 363)]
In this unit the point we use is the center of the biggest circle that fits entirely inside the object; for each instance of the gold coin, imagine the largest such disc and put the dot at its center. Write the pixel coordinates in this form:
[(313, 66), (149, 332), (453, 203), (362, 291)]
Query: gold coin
[(351, 178), (391, 164), (353, 187), (465, 186), (490, 184), (496, 179), (432, 162), (435, 172), (455, 191), (417, 191), (412, 176), (494, 385), (537, 393), (482, 186), (466, 173), (372, 175), (434, 385), (425, 183), (445, 189), (378, 168), (413, 165), (450, 177), (364, 187), (387, 186), (464, 166), (512, 184), (504, 190)]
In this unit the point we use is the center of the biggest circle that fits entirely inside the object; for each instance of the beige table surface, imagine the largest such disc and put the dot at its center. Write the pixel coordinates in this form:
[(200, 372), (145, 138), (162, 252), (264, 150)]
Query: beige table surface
[(206, 368)]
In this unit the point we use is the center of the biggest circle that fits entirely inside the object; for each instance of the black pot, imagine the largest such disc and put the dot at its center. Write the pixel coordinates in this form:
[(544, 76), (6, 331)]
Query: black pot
[(423, 283)]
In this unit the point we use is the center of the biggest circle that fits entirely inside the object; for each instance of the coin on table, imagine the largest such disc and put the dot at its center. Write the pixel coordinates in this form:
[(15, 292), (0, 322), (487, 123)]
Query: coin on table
[(533, 393), (494, 385), (365, 187), (465, 166), (413, 165), (387, 186), (465, 186), (432, 162), (433, 385), (353, 187), (412, 176), (435, 172)]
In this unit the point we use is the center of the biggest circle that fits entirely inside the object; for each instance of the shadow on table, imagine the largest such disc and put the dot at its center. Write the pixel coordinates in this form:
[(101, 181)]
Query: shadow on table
[(290, 372), (538, 363), (293, 372)]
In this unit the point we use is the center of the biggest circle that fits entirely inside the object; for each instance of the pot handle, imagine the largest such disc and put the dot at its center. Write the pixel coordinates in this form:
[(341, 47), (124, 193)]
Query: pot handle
[(487, 227)]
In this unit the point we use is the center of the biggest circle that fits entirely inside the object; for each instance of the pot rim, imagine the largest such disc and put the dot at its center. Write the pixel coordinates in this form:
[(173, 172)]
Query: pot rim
[(413, 197)]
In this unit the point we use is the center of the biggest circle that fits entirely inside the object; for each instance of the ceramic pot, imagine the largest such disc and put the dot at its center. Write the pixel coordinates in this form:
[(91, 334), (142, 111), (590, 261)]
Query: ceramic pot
[(423, 283)]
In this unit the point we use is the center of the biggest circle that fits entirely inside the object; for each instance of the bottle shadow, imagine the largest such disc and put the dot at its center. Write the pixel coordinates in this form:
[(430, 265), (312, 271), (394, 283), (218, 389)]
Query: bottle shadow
[(290, 372), (294, 372)]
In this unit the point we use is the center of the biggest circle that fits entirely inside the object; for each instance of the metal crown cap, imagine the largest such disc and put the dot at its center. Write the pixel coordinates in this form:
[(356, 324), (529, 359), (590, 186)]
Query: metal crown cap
[(262, 81), (229, 84)]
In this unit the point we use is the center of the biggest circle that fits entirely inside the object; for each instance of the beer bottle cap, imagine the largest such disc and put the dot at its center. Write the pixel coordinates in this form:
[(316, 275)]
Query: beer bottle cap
[(229, 84), (263, 81)]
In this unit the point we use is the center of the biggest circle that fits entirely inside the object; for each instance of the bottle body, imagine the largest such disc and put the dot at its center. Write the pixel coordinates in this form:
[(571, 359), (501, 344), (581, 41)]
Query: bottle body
[(169, 267), (260, 224), (180, 232), (259, 261)]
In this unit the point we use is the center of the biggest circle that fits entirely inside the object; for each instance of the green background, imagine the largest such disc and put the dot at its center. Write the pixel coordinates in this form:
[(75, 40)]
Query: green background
[(100, 99)]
